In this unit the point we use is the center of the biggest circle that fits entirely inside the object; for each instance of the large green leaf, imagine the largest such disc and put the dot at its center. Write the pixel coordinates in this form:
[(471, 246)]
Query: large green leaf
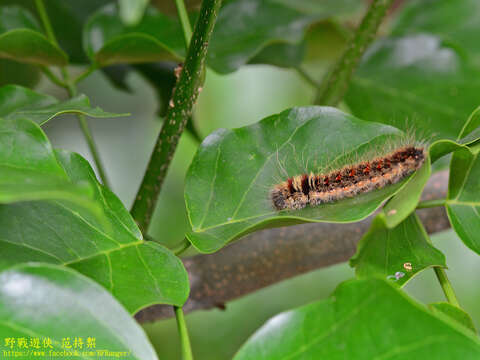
[(108, 41), (454, 21), (228, 183), (109, 249), (363, 319), (415, 82), (396, 254), (46, 302), (245, 27), (463, 197), (17, 101)]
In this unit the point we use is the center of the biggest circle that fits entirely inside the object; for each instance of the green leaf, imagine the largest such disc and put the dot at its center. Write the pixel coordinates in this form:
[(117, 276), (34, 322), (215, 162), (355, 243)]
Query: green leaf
[(51, 302), (29, 169), (31, 47), (463, 197), (407, 198), (396, 254), (17, 101), (415, 82), (109, 249), (131, 11), (245, 27), (363, 319), (108, 41), (453, 312), (454, 21), (228, 183)]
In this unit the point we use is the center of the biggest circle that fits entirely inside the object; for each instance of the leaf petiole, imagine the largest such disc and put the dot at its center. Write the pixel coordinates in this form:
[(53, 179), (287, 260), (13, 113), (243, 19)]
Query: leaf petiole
[(431, 203), (183, 331), (446, 286)]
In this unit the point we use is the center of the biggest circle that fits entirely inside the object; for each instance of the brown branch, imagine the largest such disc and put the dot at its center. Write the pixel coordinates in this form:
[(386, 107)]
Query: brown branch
[(272, 255)]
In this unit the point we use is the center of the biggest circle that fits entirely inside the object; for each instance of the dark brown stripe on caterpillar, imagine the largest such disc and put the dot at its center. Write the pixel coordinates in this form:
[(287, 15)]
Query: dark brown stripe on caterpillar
[(299, 191)]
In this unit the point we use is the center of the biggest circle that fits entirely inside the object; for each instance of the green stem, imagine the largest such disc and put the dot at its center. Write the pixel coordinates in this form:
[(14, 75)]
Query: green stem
[(93, 149), (305, 76), (87, 134), (431, 203), (183, 15), (336, 82), (182, 330), (72, 91), (183, 98), (446, 286), (86, 73), (42, 12), (52, 77)]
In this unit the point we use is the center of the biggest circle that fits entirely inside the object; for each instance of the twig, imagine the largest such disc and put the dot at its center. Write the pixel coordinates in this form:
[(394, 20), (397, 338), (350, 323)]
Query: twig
[(180, 109), (336, 82)]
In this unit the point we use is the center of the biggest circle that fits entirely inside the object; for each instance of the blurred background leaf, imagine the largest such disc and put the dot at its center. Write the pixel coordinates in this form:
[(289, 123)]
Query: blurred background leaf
[(453, 21), (415, 82), (156, 37), (131, 11), (67, 18)]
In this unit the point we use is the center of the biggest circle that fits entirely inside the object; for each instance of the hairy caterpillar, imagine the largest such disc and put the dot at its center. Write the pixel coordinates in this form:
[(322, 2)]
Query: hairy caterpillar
[(313, 189)]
